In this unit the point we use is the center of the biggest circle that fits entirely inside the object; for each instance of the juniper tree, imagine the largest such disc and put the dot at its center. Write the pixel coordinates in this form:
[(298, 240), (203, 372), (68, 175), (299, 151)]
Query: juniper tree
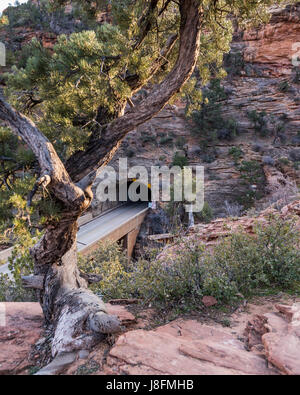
[(78, 104)]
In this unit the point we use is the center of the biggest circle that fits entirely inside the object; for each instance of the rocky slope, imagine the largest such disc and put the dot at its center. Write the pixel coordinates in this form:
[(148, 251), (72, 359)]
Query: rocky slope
[(261, 78), (262, 339), (212, 233), (192, 348)]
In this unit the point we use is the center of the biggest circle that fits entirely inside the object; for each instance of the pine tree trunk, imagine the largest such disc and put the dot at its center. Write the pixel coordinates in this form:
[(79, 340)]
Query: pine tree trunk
[(76, 316)]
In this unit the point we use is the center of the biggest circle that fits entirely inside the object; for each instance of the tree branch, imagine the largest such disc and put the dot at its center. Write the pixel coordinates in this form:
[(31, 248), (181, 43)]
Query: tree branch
[(135, 82), (6, 158), (35, 282), (52, 169), (146, 23), (42, 181), (101, 151)]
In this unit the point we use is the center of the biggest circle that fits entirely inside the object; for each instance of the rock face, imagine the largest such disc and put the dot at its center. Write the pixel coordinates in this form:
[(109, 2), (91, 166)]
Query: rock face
[(279, 335), (261, 78), (209, 301), (183, 347), (269, 345), (254, 331), (210, 234), (282, 342), (271, 49), (20, 328)]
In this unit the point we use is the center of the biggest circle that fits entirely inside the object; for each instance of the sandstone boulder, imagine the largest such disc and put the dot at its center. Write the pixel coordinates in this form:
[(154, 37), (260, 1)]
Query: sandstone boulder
[(209, 301), (282, 342), (183, 347)]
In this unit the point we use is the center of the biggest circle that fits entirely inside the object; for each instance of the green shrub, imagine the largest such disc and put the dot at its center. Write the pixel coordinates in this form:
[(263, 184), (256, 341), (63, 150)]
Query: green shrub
[(180, 160), (248, 198), (148, 280), (20, 264), (253, 175), (297, 165), (147, 138), (284, 161), (236, 153), (110, 262), (259, 121), (283, 86), (11, 291), (234, 63), (129, 153), (206, 215), (180, 142), (167, 140), (239, 265), (208, 123), (243, 264), (251, 171)]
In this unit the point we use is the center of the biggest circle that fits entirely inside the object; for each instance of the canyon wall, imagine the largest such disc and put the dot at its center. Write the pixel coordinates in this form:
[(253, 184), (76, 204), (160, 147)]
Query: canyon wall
[(262, 78)]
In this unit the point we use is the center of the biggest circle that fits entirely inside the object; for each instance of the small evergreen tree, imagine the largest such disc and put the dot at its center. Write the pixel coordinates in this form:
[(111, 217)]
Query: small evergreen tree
[(209, 124)]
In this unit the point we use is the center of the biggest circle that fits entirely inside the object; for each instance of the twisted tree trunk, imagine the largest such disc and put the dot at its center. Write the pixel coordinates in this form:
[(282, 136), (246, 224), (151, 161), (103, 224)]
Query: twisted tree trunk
[(77, 316)]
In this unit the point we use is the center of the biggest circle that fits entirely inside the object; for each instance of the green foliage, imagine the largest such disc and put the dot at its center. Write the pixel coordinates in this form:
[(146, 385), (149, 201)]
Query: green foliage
[(90, 68), (144, 279), (253, 176), (269, 259), (206, 215), (17, 179), (147, 138), (27, 14), (209, 124), (176, 210), (259, 121), (284, 161), (72, 91), (297, 165), (130, 153), (87, 71), (110, 262), (251, 172), (167, 140), (283, 86), (12, 292), (241, 264), (3, 21), (180, 160), (180, 142), (176, 214), (234, 63), (49, 211), (236, 153), (20, 264), (41, 17)]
